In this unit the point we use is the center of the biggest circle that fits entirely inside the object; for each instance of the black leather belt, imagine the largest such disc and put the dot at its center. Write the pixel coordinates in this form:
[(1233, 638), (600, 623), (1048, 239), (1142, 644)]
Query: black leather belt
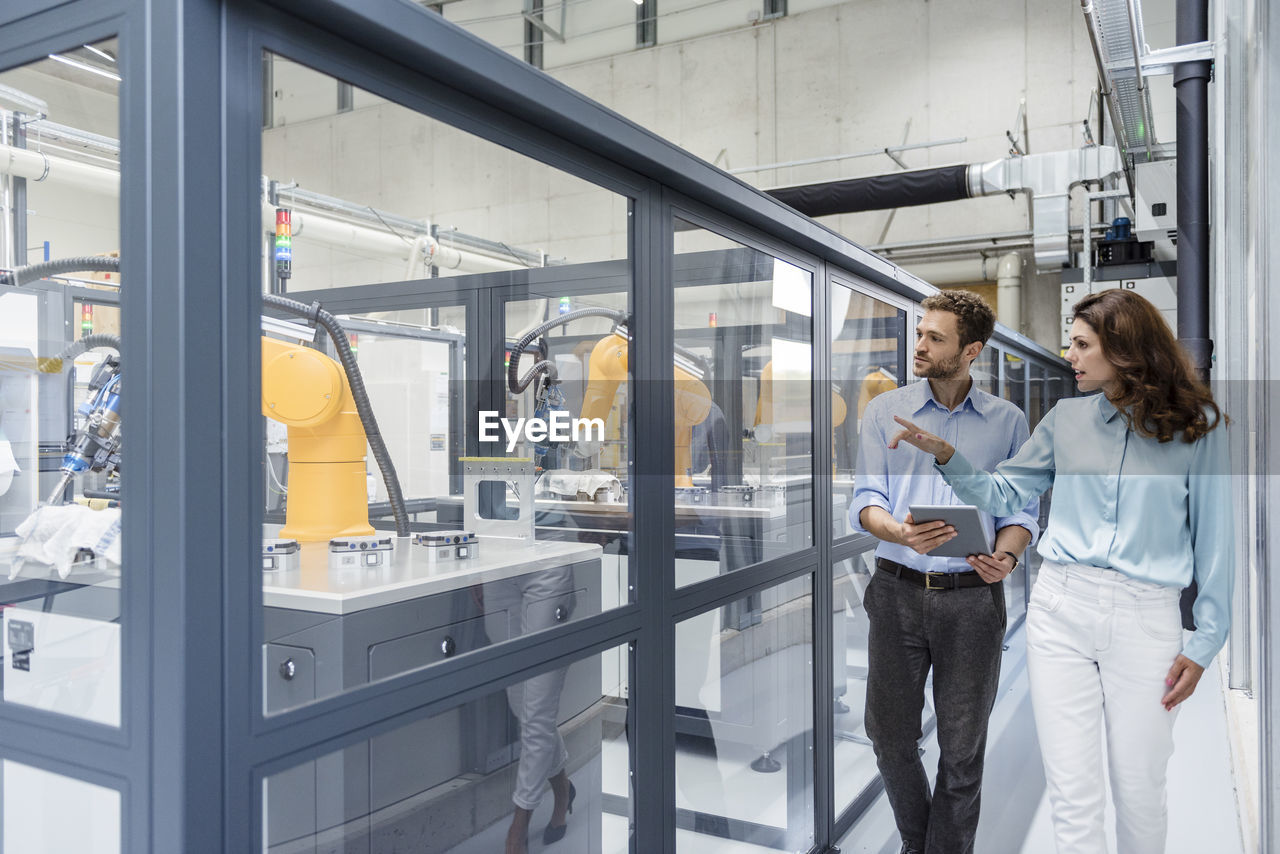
[(931, 580)]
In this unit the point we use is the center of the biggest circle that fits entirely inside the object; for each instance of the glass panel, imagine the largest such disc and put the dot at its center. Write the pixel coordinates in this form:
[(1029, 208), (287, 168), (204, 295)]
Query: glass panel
[(744, 723), (1056, 387), (743, 389), (1015, 391), (36, 804), (867, 358), (1047, 388), (583, 488), (547, 759), (382, 193), (985, 370), (495, 539), (1015, 385), (61, 391), (854, 762), (1036, 395)]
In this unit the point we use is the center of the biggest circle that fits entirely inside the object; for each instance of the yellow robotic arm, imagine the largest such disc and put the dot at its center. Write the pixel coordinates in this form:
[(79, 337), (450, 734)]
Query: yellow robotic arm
[(795, 410), (608, 368), (791, 408), (307, 391)]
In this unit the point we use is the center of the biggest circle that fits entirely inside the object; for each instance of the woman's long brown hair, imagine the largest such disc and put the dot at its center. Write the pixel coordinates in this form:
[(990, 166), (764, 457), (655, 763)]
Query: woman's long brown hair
[(1157, 389)]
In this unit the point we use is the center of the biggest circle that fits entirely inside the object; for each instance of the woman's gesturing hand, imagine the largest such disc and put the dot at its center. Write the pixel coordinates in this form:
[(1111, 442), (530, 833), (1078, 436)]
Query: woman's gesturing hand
[(925, 441), (1181, 681)]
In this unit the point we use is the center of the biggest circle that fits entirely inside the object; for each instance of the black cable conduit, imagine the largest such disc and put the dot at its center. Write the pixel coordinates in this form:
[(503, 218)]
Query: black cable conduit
[(45, 269), (317, 315), (92, 341)]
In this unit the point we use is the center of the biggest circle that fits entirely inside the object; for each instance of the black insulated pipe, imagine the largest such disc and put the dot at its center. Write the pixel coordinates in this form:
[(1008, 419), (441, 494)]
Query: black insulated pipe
[(1191, 79), (878, 192)]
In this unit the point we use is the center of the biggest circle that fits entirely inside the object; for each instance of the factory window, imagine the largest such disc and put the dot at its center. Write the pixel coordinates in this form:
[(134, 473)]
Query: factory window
[(743, 392), (646, 23), (867, 359), (547, 758), (744, 723), (447, 452), (61, 404), (775, 8)]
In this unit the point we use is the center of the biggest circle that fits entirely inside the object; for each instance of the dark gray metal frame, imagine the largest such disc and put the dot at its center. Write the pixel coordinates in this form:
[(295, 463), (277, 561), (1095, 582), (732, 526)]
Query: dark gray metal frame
[(194, 747)]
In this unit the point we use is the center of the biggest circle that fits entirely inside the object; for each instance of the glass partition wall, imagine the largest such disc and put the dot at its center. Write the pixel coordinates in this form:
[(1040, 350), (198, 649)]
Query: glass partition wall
[(62, 409), (495, 494)]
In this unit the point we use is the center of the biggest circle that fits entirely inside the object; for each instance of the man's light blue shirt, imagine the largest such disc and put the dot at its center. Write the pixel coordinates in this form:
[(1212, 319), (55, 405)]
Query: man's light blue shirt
[(1155, 511), (988, 428)]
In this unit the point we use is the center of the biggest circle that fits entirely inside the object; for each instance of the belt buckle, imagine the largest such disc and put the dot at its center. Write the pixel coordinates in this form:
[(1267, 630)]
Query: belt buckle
[(928, 580)]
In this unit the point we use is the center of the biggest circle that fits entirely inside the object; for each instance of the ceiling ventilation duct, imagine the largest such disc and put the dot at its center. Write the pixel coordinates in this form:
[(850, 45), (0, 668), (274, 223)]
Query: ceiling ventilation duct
[(1047, 178)]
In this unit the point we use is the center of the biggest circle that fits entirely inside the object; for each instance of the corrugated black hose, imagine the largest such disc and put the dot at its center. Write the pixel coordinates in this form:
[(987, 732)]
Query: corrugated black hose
[(35, 272), (313, 312), (92, 341), (316, 314), (518, 384)]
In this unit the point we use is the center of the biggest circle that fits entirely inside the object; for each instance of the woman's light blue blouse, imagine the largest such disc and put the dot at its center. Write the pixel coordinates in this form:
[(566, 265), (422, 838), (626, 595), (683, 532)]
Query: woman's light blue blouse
[(1158, 512)]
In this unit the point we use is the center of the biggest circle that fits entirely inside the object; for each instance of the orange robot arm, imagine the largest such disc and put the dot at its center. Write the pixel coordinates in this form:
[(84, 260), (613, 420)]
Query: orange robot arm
[(765, 410), (608, 368), (307, 391), (764, 403)]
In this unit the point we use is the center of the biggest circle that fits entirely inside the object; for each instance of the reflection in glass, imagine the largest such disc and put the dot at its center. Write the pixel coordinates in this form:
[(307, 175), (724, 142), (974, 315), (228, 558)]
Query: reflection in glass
[(743, 392), (867, 358), (1015, 587), (382, 193), (543, 762), (1036, 407), (854, 762), (35, 805), (744, 723), (985, 370), (414, 510), (62, 393)]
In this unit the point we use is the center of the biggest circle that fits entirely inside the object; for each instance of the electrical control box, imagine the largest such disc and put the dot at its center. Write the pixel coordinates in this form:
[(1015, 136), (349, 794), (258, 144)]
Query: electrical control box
[(1155, 281), (1155, 205)]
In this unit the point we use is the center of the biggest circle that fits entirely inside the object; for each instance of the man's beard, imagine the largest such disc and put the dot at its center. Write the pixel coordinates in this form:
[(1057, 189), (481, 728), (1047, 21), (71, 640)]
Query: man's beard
[(944, 370)]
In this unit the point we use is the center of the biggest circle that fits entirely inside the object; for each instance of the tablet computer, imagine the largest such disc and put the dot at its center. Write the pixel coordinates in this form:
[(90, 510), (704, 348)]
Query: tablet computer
[(971, 538)]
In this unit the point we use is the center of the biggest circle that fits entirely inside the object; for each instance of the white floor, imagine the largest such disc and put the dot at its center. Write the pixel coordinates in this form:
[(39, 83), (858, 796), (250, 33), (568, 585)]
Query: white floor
[(1202, 805)]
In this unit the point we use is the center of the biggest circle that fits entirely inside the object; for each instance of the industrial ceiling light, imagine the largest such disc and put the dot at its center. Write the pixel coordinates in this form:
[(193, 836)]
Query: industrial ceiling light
[(102, 53), (638, 2), (84, 66)]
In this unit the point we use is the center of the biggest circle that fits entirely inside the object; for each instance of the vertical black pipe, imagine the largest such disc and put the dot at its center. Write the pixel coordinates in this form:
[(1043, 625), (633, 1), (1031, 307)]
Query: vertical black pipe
[(1191, 79), (1192, 82)]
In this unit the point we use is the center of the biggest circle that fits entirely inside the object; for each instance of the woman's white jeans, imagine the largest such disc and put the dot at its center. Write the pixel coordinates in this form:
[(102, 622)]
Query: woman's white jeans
[(1099, 646)]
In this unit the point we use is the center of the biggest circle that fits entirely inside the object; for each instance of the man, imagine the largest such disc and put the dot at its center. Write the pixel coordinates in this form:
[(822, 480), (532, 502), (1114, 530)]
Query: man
[(944, 613)]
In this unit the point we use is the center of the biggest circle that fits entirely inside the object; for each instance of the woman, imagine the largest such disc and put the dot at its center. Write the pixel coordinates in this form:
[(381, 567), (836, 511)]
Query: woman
[(1137, 515)]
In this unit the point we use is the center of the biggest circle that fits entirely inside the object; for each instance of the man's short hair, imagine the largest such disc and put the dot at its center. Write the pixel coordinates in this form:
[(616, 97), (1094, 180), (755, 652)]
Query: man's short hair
[(974, 318)]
